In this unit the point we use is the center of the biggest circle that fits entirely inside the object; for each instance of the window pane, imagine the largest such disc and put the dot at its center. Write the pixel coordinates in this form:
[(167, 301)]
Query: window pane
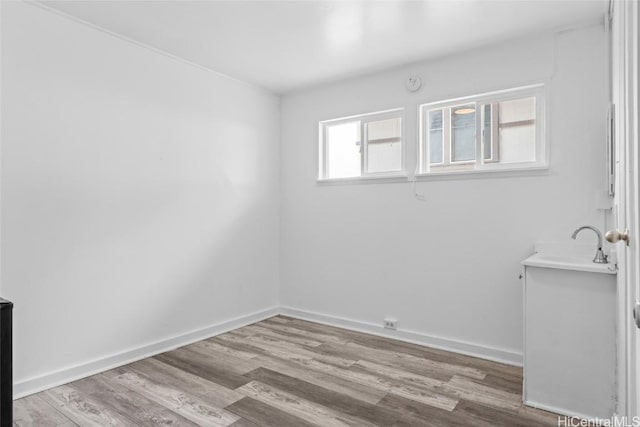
[(486, 132), (384, 157), (463, 133), (518, 144), (517, 130), (435, 136), (384, 146), (343, 150), (383, 129), (517, 110)]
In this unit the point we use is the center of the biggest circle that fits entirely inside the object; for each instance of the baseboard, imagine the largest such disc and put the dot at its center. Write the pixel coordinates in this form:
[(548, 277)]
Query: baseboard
[(569, 414), (508, 357), (85, 369)]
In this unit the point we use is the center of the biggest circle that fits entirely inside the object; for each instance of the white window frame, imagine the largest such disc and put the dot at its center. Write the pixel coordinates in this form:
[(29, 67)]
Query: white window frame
[(364, 119), (541, 161)]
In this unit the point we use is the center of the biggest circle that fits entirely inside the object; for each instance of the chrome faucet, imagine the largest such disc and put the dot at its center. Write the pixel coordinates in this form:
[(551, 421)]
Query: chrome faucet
[(600, 257)]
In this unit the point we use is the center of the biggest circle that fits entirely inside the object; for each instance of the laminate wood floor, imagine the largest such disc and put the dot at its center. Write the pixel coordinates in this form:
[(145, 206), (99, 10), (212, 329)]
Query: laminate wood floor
[(288, 372)]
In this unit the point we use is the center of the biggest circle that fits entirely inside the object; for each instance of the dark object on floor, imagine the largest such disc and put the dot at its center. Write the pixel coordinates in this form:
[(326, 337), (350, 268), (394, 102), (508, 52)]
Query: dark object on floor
[(6, 363)]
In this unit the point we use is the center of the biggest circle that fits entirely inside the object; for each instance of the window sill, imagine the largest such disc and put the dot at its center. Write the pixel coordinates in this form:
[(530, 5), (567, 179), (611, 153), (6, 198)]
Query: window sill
[(402, 177), (483, 173)]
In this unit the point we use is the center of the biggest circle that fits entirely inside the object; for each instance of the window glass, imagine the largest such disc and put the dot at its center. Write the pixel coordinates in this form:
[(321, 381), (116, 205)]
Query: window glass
[(463, 133), (487, 131), (384, 157), (435, 137), (517, 130), (384, 146), (517, 110), (343, 150), (383, 129), (518, 144)]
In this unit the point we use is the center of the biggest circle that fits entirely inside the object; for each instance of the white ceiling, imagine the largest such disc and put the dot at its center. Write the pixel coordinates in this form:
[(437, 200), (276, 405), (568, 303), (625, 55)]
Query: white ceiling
[(285, 45)]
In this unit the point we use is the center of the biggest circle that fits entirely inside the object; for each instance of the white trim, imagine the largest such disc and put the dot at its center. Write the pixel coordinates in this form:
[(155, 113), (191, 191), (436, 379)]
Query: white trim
[(562, 411), (477, 173), (353, 117), (487, 96), (92, 367), (523, 277), (399, 177), (623, 32), (506, 356)]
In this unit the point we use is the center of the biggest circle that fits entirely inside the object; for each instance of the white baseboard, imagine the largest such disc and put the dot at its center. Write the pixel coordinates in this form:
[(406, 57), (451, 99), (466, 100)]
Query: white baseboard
[(85, 369), (567, 413), (508, 357)]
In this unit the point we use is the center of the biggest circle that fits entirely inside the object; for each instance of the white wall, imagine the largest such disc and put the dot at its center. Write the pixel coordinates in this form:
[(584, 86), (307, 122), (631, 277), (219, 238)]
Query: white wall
[(139, 195), (449, 267)]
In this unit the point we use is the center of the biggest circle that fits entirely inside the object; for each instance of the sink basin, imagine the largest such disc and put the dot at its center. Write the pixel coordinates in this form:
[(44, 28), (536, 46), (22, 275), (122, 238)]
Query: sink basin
[(578, 262)]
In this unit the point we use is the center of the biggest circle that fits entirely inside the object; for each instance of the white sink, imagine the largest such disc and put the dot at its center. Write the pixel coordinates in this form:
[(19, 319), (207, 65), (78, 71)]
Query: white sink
[(569, 262)]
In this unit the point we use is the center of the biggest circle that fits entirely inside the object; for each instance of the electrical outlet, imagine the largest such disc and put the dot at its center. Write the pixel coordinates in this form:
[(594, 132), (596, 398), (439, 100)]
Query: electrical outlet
[(390, 323)]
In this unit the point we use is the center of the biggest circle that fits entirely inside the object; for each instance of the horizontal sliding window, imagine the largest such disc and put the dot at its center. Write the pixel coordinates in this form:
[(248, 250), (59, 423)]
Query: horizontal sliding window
[(499, 130), (368, 145)]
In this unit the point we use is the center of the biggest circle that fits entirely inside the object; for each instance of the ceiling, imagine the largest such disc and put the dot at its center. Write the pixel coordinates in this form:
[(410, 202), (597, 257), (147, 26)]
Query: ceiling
[(286, 45)]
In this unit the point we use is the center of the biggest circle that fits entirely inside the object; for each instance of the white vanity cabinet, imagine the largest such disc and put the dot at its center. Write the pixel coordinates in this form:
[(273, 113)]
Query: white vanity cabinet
[(569, 335)]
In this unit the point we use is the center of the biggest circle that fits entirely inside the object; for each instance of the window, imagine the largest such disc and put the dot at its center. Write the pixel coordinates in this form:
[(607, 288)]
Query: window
[(499, 130), (368, 145)]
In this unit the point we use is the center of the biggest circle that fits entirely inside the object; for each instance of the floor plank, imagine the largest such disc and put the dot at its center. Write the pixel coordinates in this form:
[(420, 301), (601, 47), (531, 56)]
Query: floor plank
[(500, 418), (334, 383), (299, 332), (209, 391), (336, 401), (260, 330), (82, 408), (265, 415), (229, 361), (469, 390), (419, 414), (419, 365), (383, 383), (33, 411), (202, 367), (282, 348), (212, 345), (299, 407), (179, 401), (284, 365), (244, 423), (512, 385), (134, 406)]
